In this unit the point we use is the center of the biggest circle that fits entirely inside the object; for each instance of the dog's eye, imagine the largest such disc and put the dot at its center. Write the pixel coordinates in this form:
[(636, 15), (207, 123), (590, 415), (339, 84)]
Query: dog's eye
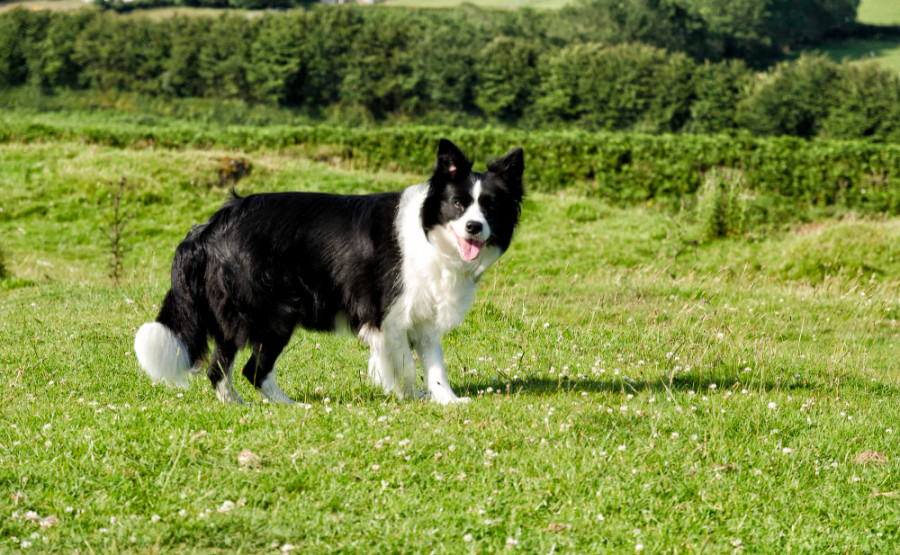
[(457, 203)]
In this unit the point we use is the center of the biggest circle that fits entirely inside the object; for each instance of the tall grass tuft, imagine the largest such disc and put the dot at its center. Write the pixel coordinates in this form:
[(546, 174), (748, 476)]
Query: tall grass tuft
[(116, 221), (722, 204)]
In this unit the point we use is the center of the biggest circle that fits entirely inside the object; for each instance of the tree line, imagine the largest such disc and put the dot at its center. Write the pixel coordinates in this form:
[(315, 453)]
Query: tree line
[(520, 68)]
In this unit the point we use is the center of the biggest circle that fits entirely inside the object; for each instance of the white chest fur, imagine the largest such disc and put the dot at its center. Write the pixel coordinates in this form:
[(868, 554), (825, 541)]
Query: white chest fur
[(438, 286)]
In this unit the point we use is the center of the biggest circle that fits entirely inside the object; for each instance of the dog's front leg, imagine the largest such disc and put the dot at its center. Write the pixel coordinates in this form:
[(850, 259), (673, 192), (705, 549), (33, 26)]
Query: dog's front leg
[(391, 364), (431, 355)]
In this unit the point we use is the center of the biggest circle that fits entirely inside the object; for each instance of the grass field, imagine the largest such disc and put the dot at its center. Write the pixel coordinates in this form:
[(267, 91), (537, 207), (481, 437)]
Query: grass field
[(43, 5), (632, 390), (879, 12), (884, 52)]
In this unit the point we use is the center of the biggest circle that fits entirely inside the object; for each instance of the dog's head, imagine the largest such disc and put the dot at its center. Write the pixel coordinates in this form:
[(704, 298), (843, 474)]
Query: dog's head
[(473, 212)]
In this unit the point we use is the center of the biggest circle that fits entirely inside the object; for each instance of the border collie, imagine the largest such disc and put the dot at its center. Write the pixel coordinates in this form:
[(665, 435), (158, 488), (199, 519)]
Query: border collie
[(397, 269)]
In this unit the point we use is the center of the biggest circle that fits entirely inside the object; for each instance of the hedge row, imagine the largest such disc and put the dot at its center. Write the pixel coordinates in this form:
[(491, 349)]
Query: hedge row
[(620, 167)]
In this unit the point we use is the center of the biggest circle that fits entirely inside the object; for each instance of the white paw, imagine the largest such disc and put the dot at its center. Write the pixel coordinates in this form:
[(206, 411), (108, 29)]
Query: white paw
[(227, 394), (375, 378), (273, 393), (445, 396)]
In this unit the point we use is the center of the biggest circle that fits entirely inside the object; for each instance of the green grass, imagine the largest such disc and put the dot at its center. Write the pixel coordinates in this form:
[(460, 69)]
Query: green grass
[(884, 52), (43, 5), (630, 387), (879, 12)]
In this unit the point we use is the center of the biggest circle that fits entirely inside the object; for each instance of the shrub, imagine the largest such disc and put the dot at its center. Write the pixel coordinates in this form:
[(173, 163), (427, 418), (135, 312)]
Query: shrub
[(629, 86), (866, 104), (792, 99), (718, 88), (20, 32), (507, 77), (125, 54), (722, 204)]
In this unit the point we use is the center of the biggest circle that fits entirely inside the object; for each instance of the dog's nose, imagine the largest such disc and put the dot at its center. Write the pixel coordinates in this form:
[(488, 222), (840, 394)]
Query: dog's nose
[(473, 227)]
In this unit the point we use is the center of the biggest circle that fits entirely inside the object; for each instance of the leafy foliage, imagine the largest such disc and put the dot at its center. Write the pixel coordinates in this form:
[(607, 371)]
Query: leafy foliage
[(793, 99), (585, 67), (722, 204)]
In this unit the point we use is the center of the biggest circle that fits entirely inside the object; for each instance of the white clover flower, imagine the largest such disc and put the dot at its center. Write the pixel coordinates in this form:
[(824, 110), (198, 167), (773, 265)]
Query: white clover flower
[(468, 538), (226, 506), (772, 405)]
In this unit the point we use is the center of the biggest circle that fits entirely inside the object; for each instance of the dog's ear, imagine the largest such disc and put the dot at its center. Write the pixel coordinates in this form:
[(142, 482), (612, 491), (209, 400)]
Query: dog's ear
[(510, 167), (451, 162)]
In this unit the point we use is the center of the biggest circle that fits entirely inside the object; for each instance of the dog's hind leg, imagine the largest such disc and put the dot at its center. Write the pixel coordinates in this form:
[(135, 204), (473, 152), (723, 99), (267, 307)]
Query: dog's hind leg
[(260, 370), (220, 371)]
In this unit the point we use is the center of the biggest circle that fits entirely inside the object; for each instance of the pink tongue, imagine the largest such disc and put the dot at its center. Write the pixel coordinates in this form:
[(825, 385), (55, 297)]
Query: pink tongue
[(469, 248)]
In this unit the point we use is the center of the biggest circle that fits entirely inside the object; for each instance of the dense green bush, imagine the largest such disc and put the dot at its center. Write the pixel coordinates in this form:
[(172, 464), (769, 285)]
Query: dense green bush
[(793, 99), (507, 77), (462, 66), (866, 104), (718, 87), (628, 86)]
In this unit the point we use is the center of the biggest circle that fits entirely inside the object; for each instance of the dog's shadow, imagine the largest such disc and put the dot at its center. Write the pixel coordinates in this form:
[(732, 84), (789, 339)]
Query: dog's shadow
[(546, 386)]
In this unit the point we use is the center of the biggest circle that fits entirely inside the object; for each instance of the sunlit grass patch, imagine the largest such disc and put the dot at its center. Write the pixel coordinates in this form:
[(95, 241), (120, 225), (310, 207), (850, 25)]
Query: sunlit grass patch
[(740, 395)]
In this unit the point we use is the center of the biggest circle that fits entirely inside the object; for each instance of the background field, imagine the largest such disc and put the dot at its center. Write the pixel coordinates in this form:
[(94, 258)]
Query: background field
[(633, 389), (879, 12)]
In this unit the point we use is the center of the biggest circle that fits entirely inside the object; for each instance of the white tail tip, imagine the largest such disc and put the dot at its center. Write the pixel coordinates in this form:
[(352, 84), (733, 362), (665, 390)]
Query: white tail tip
[(162, 355)]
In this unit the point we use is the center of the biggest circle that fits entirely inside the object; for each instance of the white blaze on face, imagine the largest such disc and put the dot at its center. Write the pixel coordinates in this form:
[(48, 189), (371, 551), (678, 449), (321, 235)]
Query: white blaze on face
[(470, 244)]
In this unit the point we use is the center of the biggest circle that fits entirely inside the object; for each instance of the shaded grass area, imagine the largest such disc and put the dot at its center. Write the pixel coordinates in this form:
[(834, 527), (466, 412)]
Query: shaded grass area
[(630, 387), (885, 52)]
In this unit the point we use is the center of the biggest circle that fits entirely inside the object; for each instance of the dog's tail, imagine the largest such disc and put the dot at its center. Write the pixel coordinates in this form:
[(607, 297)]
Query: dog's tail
[(170, 348)]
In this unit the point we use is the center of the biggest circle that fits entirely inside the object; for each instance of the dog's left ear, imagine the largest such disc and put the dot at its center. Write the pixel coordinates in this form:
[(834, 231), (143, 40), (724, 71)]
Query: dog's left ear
[(451, 162), (510, 167)]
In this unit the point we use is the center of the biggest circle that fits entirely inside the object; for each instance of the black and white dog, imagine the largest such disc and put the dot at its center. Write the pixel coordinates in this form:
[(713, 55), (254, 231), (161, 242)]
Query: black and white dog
[(397, 269)]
